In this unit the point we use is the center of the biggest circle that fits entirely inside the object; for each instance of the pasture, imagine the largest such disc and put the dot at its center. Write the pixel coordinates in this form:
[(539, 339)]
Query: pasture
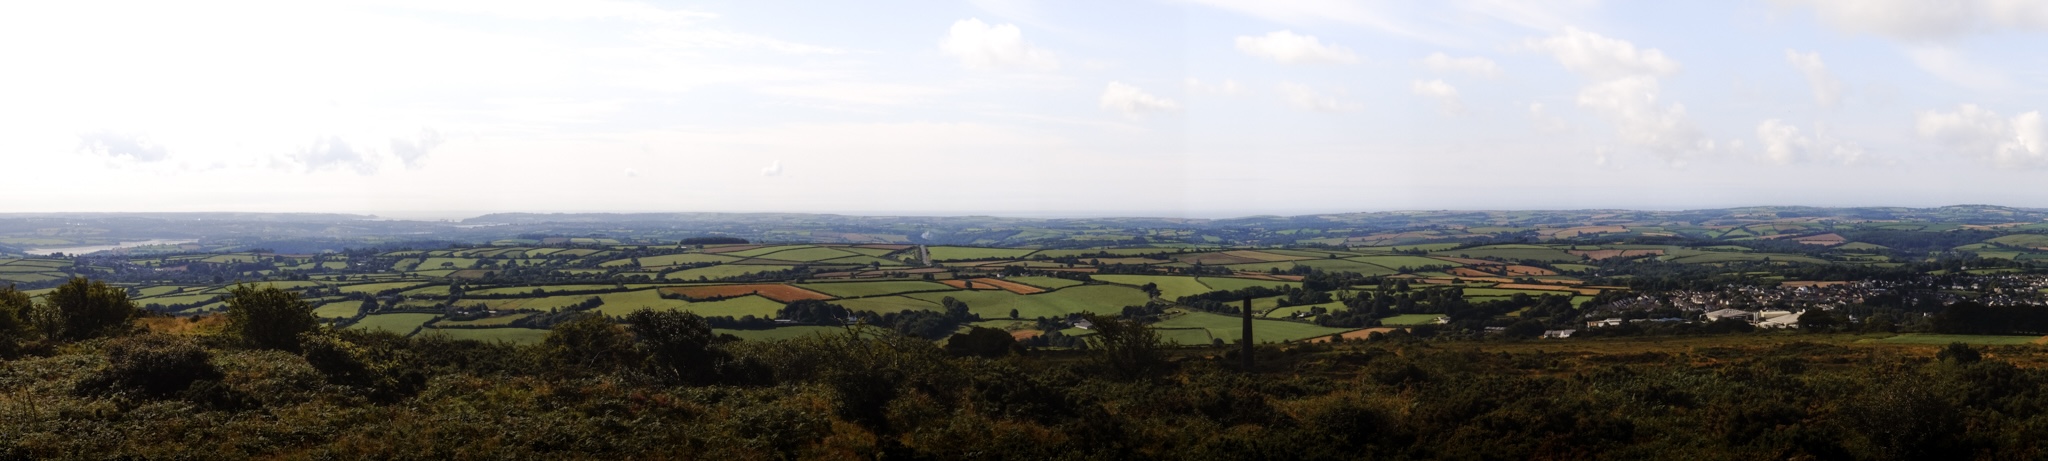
[(1231, 328), (403, 324), (1101, 299), (873, 288), (521, 336), (1941, 339)]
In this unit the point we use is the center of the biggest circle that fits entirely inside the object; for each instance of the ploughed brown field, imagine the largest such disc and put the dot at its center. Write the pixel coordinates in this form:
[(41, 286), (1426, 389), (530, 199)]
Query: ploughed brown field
[(975, 284), (1010, 286), (775, 291), (1358, 334)]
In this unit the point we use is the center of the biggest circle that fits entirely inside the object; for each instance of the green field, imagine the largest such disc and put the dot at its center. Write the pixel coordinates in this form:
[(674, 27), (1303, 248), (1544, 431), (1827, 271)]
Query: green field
[(1111, 251), (781, 333), (1410, 319), (1512, 253), (887, 304), (861, 260), (1930, 338), (433, 290), (2034, 241), (498, 321), (1101, 299), (396, 323), (338, 309), (1170, 286), (509, 335), (876, 288), (447, 263), (159, 290), (976, 253), (808, 254), (1232, 283), (1049, 283), (673, 260), (735, 307), (1280, 312), (755, 252), (1734, 257), (723, 271), (177, 300), (1186, 336), (1399, 261), (1231, 328)]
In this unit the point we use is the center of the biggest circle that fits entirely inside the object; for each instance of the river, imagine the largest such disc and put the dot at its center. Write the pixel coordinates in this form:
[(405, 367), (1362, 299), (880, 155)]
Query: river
[(73, 251)]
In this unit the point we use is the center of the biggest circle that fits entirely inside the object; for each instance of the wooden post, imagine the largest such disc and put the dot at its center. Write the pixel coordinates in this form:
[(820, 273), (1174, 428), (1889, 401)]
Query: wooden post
[(1247, 351)]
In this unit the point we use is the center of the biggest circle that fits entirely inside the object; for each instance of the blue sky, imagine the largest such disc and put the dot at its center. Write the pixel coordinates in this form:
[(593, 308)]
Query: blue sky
[(1017, 107)]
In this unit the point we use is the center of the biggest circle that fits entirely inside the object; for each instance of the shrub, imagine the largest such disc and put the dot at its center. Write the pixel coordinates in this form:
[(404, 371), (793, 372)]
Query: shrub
[(83, 309), (377, 365), (678, 346), (153, 366), (982, 342), (1124, 348), (14, 327), (268, 317), (587, 344)]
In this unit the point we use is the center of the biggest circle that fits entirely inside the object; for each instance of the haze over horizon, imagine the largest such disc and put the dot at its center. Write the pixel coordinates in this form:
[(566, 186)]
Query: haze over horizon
[(1199, 108)]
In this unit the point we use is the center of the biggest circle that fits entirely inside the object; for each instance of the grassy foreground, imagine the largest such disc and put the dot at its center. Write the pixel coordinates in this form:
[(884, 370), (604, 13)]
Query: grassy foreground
[(837, 395)]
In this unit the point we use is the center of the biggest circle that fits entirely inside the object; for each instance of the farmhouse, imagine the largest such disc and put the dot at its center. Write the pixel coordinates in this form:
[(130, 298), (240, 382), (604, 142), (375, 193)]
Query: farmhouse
[(1558, 334)]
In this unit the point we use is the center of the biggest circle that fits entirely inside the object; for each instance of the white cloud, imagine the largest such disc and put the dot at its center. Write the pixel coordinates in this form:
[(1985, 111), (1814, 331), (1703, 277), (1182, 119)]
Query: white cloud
[(333, 153), (1227, 87), (1475, 65), (1827, 90), (1544, 121), (1303, 97), (1445, 95), (632, 173), (1631, 104), (1132, 101), (120, 145), (1597, 56), (981, 46), (1971, 131), (1625, 91), (881, 94), (1953, 67), (1785, 144), (1929, 19), (773, 169), (1287, 47), (411, 151), (1327, 11)]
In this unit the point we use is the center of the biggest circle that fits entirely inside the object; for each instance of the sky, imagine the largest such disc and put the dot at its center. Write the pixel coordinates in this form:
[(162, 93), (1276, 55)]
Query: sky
[(1180, 108)]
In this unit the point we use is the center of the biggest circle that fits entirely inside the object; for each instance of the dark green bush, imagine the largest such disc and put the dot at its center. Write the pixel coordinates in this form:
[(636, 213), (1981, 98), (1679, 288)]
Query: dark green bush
[(151, 366)]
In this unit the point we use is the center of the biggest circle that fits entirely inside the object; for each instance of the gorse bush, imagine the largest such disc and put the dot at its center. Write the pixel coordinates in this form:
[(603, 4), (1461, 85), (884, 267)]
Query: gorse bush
[(15, 308), (268, 317), (151, 366), (83, 309)]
